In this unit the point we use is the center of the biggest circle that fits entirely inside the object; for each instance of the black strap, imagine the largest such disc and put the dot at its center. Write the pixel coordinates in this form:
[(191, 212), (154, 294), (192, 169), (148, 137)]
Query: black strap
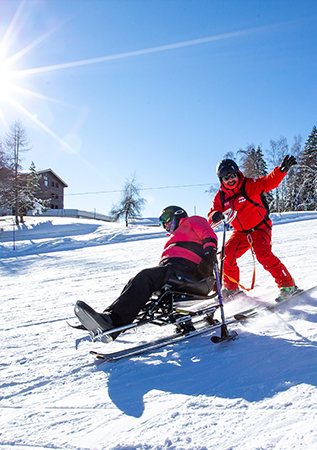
[(258, 226), (223, 198), (245, 195)]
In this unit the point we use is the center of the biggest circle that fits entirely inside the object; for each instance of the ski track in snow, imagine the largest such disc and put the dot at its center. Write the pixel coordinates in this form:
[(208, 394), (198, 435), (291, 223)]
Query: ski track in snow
[(257, 392)]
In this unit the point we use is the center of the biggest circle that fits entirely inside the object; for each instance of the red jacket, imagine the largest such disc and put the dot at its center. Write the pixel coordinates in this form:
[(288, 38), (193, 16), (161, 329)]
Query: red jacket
[(190, 240), (248, 215)]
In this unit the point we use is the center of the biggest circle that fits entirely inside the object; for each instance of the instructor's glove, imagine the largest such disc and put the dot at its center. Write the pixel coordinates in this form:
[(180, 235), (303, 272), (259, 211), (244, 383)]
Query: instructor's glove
[(217, 216), (207, 264), (287, 163)]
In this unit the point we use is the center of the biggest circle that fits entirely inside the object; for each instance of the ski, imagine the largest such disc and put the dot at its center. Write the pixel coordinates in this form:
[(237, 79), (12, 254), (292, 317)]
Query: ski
[(92, 321), (158, 343), (252, 312), (201, 328)]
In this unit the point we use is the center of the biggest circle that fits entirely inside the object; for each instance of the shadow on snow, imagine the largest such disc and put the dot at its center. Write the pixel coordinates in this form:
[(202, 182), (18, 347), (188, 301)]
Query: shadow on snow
[(252, 368)]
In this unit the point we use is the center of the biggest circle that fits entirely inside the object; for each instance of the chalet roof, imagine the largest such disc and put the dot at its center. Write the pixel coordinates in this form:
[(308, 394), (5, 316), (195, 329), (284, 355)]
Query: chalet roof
[(55, 175)]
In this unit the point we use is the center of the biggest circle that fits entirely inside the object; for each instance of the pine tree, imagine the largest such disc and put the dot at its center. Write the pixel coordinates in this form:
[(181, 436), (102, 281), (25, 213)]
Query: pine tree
[(29, 200), (261, 166), (307, 174), (291, 200), (131, 203)]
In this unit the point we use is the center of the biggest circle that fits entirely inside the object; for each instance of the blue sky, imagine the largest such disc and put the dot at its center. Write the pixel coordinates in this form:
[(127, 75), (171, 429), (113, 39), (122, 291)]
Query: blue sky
[(160, 88)]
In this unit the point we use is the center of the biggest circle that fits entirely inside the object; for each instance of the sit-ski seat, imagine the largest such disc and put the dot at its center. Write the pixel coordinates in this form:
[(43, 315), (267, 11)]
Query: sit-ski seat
[(183, 293), (185, 285)]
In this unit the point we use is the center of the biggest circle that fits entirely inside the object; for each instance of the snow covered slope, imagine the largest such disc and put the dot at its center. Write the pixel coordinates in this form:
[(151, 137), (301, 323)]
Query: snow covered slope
[(258, 392)]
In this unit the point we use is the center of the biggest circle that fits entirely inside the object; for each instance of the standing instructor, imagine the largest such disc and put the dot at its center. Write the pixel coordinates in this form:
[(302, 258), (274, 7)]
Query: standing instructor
[(252, 225)]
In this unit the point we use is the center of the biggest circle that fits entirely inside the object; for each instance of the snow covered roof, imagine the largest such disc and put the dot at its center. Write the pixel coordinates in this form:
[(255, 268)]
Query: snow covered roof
[(55, 175)]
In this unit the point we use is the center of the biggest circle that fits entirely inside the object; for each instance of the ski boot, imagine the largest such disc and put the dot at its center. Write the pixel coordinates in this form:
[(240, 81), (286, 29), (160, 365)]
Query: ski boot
[(286, 293)]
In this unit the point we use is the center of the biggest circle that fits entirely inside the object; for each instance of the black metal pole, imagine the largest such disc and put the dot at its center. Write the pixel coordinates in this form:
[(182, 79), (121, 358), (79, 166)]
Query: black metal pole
[(224, 329)]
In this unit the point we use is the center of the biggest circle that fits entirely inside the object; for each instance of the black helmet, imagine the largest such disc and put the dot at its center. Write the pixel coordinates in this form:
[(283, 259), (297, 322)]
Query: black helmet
[(227, 166), (172, 214)]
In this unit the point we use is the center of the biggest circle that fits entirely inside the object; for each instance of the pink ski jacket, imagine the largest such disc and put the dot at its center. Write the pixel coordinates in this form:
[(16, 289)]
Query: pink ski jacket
[(190, 240)]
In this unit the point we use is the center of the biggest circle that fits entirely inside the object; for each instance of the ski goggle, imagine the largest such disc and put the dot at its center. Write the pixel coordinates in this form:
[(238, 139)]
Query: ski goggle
[(164, 219), (230, 176), (227, 170)]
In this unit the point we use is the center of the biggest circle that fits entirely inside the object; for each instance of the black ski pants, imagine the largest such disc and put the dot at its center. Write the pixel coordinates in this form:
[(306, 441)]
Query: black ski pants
[(139, 289)]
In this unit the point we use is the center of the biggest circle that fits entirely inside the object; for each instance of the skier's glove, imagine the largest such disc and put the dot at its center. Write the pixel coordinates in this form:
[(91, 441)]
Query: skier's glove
[(287, 163), (207, 264), (217, 216)]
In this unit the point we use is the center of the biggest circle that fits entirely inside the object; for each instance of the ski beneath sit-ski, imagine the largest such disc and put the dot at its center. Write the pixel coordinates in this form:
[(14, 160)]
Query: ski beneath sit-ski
[(201, 328)]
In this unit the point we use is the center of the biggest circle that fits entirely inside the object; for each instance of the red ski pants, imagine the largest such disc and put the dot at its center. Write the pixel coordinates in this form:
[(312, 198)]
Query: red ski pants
[(239, 243)]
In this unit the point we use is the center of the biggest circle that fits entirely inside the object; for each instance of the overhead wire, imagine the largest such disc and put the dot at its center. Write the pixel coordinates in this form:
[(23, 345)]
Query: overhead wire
[(141, 189)]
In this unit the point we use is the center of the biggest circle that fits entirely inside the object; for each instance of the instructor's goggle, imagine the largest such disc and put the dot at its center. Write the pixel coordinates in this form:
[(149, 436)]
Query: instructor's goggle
[(230, 176)]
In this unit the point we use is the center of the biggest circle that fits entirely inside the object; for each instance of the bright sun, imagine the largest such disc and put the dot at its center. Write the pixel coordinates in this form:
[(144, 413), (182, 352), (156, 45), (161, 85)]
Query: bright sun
[(10, 79)]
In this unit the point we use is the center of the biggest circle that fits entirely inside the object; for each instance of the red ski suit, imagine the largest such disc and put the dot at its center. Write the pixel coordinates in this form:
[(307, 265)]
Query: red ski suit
[(250, 226)]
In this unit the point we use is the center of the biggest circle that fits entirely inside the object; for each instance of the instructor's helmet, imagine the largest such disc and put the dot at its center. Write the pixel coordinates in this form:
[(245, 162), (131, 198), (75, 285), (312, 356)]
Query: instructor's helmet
[(227, 166), (172, 215)]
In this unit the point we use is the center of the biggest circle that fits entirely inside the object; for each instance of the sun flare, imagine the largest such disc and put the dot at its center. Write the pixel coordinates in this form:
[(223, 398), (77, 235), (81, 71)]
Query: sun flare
[(15, 94), (5, 80)]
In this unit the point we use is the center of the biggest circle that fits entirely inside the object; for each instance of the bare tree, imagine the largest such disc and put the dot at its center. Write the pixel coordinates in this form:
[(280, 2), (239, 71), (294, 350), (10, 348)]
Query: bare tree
[(252, 162), (278, 149), (131, 204), (229, 155), (15, 143), (294, 181)]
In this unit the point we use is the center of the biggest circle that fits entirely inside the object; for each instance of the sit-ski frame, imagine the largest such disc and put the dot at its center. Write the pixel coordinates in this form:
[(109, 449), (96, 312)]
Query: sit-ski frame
[(163, 310)]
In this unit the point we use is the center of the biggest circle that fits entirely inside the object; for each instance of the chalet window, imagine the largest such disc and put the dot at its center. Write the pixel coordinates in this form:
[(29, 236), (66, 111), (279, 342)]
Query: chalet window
[(57, 185), (53, 183)]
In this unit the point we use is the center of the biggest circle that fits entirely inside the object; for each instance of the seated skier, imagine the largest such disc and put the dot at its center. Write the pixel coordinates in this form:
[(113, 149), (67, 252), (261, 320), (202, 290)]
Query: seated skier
[(190, 251)]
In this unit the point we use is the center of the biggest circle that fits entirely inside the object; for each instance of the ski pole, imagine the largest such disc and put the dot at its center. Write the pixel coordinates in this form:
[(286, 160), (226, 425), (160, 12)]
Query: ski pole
[(224, 329), (225, 335), (223, 251)]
